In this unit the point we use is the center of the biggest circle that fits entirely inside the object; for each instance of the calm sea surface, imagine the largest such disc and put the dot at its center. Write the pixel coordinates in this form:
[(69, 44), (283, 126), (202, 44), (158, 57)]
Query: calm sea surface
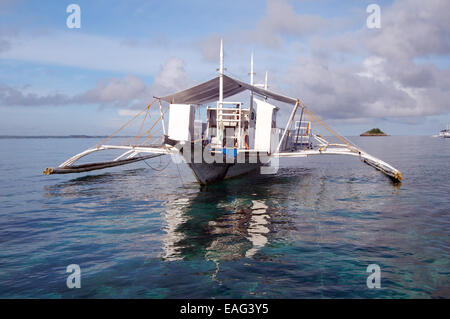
[(308, 232)]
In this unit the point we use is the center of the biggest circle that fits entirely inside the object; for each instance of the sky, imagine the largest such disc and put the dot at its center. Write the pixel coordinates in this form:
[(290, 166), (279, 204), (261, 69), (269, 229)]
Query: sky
[(56, 80)]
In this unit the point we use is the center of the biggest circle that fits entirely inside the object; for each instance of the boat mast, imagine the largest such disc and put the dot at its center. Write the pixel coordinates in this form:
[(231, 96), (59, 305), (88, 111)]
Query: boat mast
[(266, 81), (221, 75), (219, 112), (251, 120), (251, 82)]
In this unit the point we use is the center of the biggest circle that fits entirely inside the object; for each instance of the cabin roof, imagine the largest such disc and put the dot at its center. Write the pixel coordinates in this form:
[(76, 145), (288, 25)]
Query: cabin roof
[(208, 91)]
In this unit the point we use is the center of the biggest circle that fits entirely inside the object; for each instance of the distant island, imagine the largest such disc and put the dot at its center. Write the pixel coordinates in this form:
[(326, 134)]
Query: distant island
[(374, 132)]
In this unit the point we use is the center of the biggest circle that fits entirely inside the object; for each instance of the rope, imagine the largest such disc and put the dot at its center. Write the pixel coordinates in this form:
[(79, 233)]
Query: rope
[(156, 169), (148, 140), (148, 131), (334, 133), (124, 125), (179, 175), (140, 129)]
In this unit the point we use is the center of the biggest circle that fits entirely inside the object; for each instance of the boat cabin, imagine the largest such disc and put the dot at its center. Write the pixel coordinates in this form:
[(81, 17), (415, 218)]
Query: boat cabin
[(230, 126)]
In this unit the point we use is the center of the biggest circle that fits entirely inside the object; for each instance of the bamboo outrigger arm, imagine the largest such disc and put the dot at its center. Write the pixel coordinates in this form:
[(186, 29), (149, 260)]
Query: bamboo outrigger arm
[(129, 156), (343, 149)]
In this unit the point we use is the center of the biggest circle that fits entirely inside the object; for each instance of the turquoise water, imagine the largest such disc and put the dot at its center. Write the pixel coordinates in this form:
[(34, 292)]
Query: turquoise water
[(308, 232)]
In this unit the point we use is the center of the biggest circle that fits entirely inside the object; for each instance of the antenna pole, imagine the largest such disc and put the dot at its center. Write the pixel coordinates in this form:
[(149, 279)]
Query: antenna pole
[(221, 74), (251, 70), (219, 115), (252, 82), (265, 84), (266, 81)]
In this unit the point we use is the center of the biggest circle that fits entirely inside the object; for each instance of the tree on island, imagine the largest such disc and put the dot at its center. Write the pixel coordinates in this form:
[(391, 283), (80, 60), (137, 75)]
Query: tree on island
[(374, 132)]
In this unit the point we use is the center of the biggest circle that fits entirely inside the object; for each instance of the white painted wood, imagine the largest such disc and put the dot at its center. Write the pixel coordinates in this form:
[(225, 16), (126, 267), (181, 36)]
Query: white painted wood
[(263, 131), (181, 122)]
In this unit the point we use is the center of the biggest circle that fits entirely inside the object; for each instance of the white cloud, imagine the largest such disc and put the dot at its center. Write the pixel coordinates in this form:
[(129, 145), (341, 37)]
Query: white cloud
[(127, 112), (93, 52), (172, 77), (412, 28), (127, 92), (387, 82), (282, 20)]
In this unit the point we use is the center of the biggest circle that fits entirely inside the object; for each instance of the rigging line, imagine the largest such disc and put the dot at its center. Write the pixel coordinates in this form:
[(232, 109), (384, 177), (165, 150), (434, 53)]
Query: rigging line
[(140, 129), (334, 133), (151, 141), (311, 114), (179, 175), (348, 142), (298, 129), (148, 140), (124, 125), (148, 131), (156, 169), (154, 124)]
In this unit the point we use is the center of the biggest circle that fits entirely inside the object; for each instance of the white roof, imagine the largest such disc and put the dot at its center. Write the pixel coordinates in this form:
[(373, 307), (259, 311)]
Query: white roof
[(209, 92)]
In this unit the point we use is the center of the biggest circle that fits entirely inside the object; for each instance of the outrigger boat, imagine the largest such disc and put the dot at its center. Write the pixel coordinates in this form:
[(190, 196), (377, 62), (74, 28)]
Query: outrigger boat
[(233, 140)]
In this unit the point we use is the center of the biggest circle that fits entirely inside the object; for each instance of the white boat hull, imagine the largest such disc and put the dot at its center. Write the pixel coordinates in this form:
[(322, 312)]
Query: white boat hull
[(211, 173)]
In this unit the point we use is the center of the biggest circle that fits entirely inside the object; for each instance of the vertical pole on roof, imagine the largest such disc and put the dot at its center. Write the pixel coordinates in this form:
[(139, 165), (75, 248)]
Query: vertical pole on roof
[(162, 117), (266, 84), (251, 82), (221, 74), (219, 111), (299, 129), (251, 121), (266, 81)]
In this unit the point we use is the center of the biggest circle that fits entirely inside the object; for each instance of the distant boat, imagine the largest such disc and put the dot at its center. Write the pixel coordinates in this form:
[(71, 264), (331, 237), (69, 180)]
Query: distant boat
[(445, 133)]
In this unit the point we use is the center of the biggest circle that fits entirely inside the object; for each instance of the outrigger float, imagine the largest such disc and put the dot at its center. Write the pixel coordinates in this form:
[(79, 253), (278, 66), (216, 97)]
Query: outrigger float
[(233, 140)]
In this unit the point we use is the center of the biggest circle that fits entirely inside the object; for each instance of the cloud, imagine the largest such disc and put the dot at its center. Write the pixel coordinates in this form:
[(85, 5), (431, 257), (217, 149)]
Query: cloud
[(365, 91), (388, 82), (412, 28), (5, 34), (73, 49), (4, 45), (172, 77), (127, 112), (282, 20), (10, 96), (127, 92), (412, 31), (115, 91), (209, 47)]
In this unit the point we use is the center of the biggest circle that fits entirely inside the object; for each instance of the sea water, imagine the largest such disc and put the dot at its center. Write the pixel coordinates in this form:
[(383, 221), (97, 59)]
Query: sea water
[(148, 230)]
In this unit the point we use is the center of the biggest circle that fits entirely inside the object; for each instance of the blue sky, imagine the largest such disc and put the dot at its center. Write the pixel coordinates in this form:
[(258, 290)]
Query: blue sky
[(56, 81)]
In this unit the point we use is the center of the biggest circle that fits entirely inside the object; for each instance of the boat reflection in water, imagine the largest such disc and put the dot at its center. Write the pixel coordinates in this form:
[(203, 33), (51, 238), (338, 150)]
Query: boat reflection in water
[(302, 224), (230, 220), (223, 230)]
